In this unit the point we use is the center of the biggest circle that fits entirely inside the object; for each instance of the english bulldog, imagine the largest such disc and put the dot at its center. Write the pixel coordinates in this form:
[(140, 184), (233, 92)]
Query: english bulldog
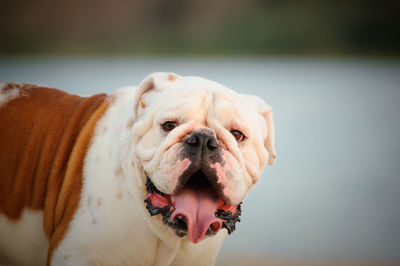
[(149, 175)]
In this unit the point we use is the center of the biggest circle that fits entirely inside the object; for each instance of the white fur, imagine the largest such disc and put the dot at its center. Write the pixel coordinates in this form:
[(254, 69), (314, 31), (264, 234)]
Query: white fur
[(197, 103), (8, 95), (112, 226), (23, 242)]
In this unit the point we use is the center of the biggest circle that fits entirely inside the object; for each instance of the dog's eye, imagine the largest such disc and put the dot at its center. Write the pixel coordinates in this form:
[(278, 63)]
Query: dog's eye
[(169, 125), (239, 136)]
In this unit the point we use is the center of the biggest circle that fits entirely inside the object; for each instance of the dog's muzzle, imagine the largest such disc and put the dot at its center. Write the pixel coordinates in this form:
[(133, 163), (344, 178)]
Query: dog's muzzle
[(197, 207)]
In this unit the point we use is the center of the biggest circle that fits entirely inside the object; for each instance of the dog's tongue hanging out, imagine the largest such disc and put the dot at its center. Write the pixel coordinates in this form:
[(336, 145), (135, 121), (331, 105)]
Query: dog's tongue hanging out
[(198, 207)]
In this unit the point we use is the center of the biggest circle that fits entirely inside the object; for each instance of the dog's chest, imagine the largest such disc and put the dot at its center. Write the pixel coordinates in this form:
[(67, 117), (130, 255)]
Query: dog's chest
[(23, 242), (106, 229)]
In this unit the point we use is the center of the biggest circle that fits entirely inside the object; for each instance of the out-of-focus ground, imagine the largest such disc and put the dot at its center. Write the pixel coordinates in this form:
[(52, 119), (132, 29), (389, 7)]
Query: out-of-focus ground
[(246, 260)]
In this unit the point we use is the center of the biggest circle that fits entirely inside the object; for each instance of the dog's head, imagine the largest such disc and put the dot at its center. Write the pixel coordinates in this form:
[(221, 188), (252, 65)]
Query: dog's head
[(201, 148)]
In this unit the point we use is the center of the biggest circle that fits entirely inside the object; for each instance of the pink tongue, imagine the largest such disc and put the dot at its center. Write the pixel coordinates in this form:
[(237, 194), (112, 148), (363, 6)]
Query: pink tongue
[(199, 207)]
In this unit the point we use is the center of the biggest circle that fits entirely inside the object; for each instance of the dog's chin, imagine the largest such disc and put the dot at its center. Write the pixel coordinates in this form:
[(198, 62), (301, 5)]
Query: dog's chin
[(195, 211)]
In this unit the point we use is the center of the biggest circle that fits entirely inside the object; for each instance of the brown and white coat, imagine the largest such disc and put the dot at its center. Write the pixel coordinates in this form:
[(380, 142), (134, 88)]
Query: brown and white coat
[(72, 183)]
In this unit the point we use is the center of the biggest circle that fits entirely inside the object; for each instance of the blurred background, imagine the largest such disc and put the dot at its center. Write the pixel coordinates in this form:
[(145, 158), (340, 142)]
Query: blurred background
[(228, 27), (330, 70)]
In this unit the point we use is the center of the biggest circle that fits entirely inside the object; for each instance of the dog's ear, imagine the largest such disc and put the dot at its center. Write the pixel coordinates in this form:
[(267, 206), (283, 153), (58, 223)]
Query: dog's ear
[(152, 83), (266, 111)]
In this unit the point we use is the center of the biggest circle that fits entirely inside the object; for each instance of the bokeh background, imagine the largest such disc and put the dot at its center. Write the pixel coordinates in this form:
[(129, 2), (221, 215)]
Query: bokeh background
[(330, 70), (230, 27)]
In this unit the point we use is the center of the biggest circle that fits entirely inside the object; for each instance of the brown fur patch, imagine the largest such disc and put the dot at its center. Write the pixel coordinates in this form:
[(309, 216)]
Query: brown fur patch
[(89, 201), (171, 78), (143, 104), (118, 172), (129, 125), (99, 202), (44, 136)]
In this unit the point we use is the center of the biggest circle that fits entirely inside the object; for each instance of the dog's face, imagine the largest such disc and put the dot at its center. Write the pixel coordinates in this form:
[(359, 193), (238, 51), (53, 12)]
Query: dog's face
[(202, 147)]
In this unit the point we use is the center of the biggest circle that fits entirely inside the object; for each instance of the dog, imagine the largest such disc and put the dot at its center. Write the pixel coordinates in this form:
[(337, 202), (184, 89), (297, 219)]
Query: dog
[(149, 175)]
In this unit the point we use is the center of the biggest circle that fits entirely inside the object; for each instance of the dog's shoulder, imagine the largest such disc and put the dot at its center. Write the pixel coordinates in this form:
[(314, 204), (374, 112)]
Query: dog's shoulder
[(44, 135)]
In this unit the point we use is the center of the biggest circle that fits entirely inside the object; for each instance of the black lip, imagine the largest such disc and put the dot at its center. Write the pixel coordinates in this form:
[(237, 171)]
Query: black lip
[(151, 188), (230, 218), (154, 210)]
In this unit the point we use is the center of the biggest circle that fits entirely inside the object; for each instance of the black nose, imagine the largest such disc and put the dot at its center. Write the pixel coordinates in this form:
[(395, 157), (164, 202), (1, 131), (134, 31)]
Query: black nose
[(202, 142)]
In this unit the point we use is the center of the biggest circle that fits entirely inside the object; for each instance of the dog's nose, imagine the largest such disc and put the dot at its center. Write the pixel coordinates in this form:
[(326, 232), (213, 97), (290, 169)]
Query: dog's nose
[(203, 142)]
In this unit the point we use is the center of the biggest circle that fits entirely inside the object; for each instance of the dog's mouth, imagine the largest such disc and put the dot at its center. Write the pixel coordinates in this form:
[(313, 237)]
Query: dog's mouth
[(195, 210)]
